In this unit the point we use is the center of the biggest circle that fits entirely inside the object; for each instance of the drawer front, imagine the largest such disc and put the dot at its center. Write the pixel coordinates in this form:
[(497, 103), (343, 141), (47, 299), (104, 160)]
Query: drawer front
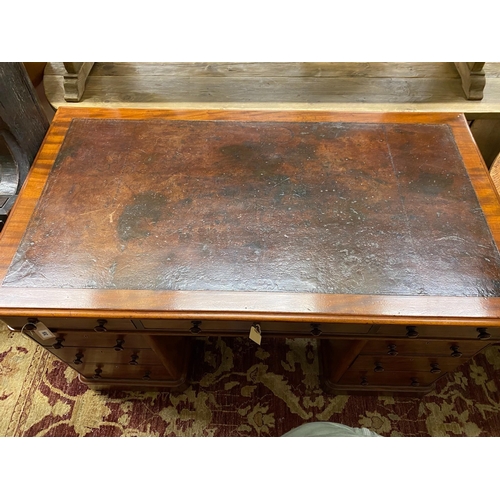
[(198, 326), (280, 328), (395, 379), (439, 332), (74, 323), (65, 339), (380, 364), (396, 347), (315, 329), (75, 356), (115, 371)]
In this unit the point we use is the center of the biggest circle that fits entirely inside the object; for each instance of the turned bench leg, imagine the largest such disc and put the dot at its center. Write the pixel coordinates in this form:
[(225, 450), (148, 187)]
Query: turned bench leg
[(75, 79), (473, 79)]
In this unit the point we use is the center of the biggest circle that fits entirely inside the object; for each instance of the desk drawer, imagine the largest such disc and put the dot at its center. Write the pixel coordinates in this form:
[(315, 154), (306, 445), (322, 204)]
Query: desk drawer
[(315, 329), (201, 327), (102, 324), (393, 379), (397, 347), (275, 328), (439, 332), (431, 364), (75, 356), (65, 339), (100, 371)]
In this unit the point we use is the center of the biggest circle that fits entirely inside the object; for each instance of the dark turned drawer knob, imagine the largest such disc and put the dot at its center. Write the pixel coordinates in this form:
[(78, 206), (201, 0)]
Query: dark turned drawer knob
[(196, 327), (315, 332), (455, 352), (392, 350), (411, 332), (97, 373), (483, 334), (31, 325), (364, 382), (119, 345), (415, 382), (133, 359), (435, 368), (58, 344), (378, 368), (78, 358), (100, 326), (146, 376)]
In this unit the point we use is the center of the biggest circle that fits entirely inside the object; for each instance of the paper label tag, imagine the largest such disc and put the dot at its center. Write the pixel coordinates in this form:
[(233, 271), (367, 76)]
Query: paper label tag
[(43, 332), (255, 334)]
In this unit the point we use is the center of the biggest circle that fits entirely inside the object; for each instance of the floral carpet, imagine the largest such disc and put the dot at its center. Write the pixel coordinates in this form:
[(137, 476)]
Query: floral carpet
[(237, 389)]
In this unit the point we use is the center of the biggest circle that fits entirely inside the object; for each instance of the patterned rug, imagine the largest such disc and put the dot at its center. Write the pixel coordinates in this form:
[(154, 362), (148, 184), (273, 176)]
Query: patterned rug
[(237, 389)]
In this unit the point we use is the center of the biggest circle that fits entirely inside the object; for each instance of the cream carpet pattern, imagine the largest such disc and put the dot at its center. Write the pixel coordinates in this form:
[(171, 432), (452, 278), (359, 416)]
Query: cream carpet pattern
[(237, 389)]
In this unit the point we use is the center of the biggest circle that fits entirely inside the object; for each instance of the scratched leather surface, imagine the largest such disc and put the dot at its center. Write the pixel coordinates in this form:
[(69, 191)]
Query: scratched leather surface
[(214, 205)]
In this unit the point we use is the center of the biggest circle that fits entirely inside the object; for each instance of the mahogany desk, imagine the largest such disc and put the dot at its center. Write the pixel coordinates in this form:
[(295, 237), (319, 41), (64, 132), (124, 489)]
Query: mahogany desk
[(139, 230)]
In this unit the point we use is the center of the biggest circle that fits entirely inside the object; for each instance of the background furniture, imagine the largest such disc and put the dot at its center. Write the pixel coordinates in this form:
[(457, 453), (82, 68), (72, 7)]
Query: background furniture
[(75, 79), (473, 79), (344, 87), (22, 128)]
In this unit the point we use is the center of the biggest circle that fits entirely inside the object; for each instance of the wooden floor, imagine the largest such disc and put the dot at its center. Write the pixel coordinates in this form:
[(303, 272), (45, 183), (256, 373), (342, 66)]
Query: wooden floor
[(326, 86)]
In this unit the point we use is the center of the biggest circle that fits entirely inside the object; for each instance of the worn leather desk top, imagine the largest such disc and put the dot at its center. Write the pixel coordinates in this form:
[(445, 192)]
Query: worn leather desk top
[(265, 209)]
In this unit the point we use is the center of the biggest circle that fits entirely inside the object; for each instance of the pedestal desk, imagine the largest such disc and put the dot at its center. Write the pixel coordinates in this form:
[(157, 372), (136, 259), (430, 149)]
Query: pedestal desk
[(138, 231)]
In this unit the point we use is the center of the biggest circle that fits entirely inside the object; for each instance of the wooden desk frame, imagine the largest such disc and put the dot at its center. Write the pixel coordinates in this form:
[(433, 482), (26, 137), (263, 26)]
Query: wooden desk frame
[(282, 307), (248, 305)]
